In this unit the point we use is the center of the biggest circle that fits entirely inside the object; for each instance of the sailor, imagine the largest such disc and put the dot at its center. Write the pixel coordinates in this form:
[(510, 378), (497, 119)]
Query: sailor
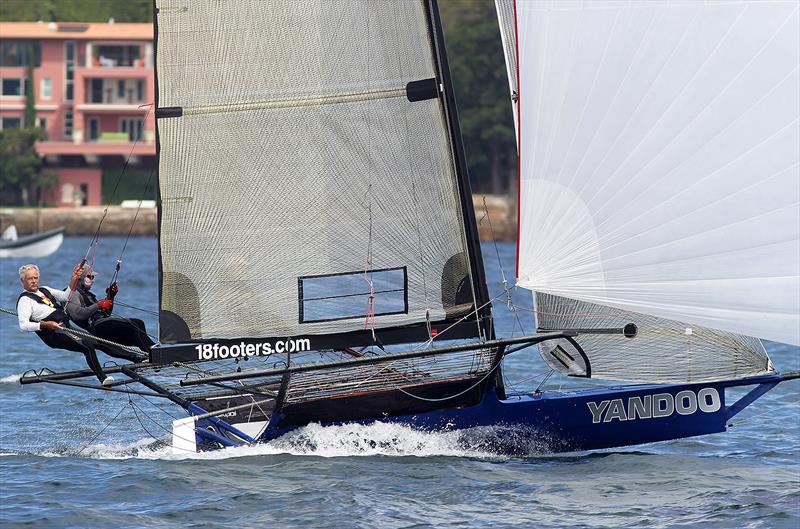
[(95, 316), (39, 310)]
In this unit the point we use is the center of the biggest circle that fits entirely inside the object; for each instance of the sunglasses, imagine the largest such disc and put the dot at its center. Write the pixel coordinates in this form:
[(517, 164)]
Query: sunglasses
[(90, 276)]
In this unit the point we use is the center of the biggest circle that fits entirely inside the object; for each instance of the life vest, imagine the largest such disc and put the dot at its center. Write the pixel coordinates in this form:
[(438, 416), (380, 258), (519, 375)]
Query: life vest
[(58, 313)]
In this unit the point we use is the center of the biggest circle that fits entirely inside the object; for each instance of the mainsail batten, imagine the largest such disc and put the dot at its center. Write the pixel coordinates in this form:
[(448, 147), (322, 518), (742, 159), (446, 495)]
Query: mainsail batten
[(289, 103), (660, 159)]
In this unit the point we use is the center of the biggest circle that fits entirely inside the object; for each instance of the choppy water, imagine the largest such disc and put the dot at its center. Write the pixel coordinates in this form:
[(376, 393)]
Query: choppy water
[(60, 469)]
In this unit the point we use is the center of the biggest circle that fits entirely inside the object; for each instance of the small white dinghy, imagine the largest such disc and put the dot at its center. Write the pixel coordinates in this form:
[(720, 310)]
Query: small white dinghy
[(36, 245)]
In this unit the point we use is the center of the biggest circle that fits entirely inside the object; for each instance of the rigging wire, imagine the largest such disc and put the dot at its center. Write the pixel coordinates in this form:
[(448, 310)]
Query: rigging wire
[(130, 230), (189, 441), (369, 320), (134, 307), (476, 384), (486, 216), (134, 407), (93, 439), (96, 235)]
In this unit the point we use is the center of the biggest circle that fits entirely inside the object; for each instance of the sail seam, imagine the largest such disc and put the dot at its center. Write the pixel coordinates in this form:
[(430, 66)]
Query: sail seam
[(296, 103)]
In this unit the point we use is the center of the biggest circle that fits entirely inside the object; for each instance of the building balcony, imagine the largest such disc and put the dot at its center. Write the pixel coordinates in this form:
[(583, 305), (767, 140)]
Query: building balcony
[(114, 72), (112, 108), (112, 146), (119, 56)]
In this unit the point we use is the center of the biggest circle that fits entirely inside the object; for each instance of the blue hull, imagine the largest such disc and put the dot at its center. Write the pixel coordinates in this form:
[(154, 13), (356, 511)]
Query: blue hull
[(562, 421)]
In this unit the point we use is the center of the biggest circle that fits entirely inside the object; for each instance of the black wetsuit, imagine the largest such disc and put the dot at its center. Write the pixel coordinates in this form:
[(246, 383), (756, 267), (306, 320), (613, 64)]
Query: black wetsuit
[(61, 339), (83, 310)]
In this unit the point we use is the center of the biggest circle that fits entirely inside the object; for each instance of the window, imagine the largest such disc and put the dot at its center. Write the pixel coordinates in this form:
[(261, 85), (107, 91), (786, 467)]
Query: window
[(83, 194), (11, 123), (41, 123), (133, 126), (140, 90), (120, 88), (68, 124), (96, 93), (13, 87), (94, 129), (69, 65), (352, 295), (46, 88), (17, 53)]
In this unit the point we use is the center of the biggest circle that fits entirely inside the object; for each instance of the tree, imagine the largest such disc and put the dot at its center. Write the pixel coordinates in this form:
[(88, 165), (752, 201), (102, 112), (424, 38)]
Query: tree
[(30, 100), (22, 178), (478, 69), (76, 10)]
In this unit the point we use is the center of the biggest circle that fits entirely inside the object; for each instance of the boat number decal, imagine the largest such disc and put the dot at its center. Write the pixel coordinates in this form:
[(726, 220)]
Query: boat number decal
[(214, 351), (655, 406)]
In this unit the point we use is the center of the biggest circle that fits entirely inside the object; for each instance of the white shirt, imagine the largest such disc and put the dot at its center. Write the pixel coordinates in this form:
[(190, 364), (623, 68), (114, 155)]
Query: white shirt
[(27, 308)]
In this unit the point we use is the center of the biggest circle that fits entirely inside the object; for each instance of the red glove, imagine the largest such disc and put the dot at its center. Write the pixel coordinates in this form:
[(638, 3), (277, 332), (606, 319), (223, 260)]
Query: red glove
[(113, 289), (105, 304)]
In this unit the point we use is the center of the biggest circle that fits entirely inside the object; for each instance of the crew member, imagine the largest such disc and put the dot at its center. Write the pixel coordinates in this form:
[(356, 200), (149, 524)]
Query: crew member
[(39, 310), (95, 316)]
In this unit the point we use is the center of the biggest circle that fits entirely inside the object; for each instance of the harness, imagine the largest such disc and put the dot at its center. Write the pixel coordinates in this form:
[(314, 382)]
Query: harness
[(87, 299), (58, 313)]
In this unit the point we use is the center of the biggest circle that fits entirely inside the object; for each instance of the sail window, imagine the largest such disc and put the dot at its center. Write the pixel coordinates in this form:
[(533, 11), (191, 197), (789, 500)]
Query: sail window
[(353, 295)]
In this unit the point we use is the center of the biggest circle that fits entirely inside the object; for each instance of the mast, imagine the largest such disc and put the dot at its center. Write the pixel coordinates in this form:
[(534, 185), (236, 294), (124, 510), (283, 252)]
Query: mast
[(465, 191), (158, 151)]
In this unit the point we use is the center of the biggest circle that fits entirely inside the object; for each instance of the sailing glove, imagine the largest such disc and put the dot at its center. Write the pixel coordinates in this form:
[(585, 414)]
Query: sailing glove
[(105, 304), (112, 290)]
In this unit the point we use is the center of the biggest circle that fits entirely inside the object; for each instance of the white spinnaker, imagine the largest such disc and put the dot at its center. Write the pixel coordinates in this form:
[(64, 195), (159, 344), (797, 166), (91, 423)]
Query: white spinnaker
[(660, 159)]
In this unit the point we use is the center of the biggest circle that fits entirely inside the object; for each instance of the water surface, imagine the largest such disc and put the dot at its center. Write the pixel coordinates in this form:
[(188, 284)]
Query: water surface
[(61, 468)]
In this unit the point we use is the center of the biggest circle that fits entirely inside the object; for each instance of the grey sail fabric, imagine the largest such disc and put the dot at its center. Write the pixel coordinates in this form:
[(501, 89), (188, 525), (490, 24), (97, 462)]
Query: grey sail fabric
[(299, 161), (660, 351)]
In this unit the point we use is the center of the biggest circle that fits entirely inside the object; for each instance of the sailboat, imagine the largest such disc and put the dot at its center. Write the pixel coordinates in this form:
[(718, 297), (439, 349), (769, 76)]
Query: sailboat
[(318, 254)]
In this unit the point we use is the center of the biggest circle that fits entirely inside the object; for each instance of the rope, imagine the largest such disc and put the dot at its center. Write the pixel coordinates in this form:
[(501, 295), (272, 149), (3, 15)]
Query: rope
[(476, 384), (81, 334)]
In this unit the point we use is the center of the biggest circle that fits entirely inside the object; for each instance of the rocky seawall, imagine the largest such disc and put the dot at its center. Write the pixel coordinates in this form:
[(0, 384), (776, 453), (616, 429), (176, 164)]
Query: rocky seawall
[(501, 220)]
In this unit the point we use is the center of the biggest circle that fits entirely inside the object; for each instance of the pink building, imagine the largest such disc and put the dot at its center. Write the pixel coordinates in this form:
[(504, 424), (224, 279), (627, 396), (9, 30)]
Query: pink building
[(93, 89)]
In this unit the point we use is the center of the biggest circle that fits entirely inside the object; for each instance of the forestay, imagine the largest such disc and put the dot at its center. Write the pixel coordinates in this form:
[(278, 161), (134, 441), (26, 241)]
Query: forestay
[(660, 159), (302, 143)]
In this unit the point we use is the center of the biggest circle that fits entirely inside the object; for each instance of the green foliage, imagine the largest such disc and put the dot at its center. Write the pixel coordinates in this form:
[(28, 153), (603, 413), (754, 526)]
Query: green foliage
[(21, 177), (479, 76), (131, 186), (30, 101), (76, 10)]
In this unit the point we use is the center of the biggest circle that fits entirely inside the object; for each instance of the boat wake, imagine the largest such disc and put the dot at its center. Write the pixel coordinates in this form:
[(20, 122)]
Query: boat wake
[(10, 379), (348, 440)]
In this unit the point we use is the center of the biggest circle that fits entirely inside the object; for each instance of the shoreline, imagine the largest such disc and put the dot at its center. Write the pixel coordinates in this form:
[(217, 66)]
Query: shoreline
[(84, 220)]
